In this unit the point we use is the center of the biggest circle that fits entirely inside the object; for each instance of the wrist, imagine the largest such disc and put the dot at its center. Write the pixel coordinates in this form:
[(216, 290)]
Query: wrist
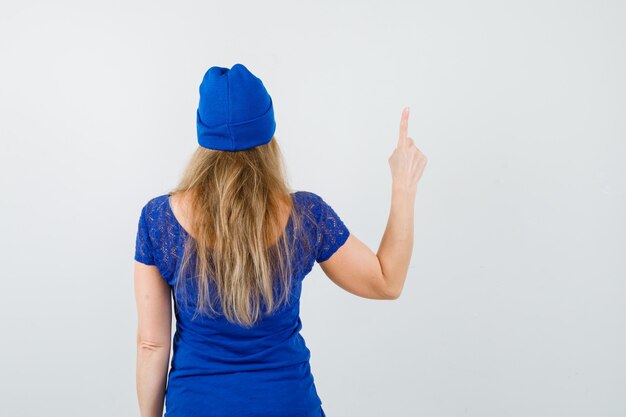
[(397, 188)]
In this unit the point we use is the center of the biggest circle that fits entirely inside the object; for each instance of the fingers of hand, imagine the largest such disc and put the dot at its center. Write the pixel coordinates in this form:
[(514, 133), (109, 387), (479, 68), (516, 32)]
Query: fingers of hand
[(404, 127), (420, 159)]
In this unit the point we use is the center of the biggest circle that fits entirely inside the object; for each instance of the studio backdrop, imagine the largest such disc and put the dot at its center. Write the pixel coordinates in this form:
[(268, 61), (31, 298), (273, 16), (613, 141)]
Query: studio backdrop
[(514, 301)]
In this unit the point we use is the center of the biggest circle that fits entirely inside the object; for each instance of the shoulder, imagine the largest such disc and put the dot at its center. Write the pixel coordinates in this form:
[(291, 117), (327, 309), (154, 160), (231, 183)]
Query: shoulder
[(313, 202), (330, 231), (308, 199), (154, 207), (318, 210)]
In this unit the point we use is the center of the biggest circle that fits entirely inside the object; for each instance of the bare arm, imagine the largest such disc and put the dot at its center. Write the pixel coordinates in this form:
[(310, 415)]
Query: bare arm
[(396, 246), (356, 268), (152, 294), (407, 164)]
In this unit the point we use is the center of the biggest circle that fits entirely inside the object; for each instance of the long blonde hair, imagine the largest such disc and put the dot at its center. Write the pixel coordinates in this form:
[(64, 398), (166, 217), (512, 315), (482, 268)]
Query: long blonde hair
[(236, 199)]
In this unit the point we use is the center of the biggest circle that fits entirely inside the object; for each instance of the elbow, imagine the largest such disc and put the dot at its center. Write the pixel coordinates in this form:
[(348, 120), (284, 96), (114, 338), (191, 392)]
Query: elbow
[(151, 345), (395, 296), (392, 296), (391, 293)]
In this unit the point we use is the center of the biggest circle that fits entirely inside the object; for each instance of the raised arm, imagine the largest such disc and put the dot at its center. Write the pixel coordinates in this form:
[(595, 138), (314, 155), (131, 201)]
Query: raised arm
[(355, 267)]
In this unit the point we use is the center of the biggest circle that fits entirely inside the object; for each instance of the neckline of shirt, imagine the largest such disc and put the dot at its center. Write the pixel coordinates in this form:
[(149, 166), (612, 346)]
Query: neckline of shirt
[(180, 227)]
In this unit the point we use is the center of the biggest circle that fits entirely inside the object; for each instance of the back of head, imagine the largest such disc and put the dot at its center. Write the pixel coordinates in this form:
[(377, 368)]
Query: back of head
[(236, 190), (235, 111)]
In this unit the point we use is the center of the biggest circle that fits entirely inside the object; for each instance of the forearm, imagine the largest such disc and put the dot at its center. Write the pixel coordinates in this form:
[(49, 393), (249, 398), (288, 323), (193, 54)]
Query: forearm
[(396, 245), (152, 368)]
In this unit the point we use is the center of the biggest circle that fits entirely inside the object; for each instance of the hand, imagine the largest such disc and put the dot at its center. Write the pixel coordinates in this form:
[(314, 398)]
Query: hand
[(406, 162)]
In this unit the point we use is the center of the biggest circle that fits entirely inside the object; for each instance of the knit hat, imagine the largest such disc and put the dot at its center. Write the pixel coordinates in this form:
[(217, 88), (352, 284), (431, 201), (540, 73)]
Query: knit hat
[(235, 111)]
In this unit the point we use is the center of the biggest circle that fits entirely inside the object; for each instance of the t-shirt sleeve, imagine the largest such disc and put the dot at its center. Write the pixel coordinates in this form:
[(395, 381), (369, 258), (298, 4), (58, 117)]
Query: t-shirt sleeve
[(332, 232), (143, 244)]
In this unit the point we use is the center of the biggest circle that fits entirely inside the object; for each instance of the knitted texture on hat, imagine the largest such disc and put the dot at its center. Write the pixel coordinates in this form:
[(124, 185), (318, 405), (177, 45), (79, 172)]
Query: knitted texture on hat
[(235, 111)]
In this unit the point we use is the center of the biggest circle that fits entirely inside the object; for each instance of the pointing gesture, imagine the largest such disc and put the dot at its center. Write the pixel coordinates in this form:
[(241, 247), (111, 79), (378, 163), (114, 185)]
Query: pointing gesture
[(404, 126), (407, 162)]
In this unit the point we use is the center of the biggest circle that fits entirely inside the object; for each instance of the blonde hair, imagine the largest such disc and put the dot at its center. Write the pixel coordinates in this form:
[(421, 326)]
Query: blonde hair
[(235, 199)]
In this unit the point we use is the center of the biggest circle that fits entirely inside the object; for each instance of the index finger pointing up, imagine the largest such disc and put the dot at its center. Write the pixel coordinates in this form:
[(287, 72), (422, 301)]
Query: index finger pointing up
[(404, 126)]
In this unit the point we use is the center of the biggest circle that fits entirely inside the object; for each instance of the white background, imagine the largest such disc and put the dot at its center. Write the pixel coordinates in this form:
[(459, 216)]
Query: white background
[(515, 300)]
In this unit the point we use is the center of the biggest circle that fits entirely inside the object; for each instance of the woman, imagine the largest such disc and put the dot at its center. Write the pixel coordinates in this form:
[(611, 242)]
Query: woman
[(231, 245)]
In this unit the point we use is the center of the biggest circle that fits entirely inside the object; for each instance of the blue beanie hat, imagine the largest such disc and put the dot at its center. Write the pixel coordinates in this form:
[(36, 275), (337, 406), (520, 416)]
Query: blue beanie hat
[(235, 111)]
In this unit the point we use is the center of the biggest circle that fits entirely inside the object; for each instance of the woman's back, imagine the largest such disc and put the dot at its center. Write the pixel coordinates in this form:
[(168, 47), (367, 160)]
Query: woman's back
[(220, 368)]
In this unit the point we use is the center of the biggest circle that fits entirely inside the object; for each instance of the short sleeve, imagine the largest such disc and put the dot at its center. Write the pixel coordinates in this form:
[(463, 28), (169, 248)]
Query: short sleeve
[(143, 244), (332, 232)]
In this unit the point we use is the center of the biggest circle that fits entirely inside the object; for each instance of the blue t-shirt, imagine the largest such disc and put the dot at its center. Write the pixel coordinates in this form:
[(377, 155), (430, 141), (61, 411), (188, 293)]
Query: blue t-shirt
[(221, 369)]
